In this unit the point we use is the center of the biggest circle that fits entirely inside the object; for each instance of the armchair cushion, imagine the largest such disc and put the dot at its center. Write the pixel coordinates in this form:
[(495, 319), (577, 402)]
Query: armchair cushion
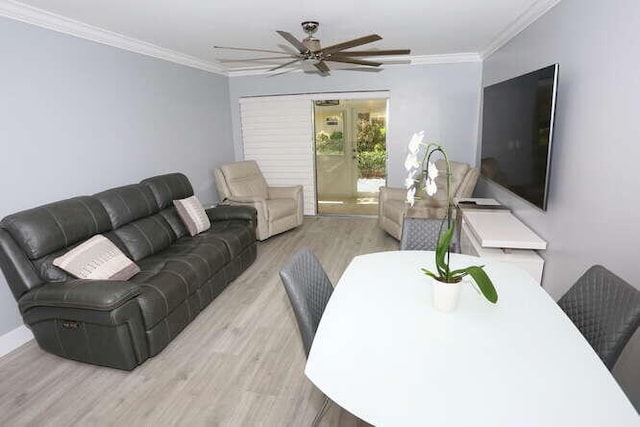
[(395, 210), (101, 295), (245, 179), (284, 192), (280, 208)]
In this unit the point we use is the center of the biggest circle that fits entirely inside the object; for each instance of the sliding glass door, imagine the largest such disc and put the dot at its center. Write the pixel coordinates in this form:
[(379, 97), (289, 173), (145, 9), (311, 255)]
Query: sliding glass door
[(351, 153)]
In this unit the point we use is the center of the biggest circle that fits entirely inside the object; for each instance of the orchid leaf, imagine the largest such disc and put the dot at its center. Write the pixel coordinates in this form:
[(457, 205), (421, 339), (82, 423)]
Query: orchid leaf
[(484, 283), (429, 273), (441, 250)]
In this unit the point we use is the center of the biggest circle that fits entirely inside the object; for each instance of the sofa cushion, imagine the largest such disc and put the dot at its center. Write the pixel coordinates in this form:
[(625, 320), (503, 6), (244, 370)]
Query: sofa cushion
[(235, 234), (146, 236), (97, 259), (128, 203), (45, 229), (192, 214), (170, 215), (170, 276), (280, 208), (169, 187)]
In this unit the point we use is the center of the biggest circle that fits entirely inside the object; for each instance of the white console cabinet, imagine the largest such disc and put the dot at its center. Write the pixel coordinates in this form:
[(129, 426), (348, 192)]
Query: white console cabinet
[(500, 236)]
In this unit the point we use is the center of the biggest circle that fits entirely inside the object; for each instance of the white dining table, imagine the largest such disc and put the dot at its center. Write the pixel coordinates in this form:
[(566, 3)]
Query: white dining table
[(383, 352)]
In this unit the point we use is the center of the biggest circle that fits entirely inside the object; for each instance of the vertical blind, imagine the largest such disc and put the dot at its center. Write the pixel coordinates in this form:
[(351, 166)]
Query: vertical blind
[(278, 134)]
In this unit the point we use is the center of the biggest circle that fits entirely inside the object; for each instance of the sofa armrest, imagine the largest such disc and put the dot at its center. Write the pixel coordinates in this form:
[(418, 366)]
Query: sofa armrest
[(284, 192), (100, 295), (228, 212), (388, 193)]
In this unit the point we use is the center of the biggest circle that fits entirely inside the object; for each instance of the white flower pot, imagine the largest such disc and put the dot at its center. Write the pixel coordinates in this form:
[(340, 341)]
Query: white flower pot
[(446, 296)]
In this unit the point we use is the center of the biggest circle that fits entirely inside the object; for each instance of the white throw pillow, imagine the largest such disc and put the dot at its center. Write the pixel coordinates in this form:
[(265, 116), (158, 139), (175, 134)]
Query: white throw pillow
[(97, 259), (192, 214)]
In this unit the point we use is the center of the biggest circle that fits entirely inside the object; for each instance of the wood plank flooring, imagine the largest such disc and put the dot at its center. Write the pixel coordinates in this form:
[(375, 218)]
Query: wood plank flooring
[(239, 363)]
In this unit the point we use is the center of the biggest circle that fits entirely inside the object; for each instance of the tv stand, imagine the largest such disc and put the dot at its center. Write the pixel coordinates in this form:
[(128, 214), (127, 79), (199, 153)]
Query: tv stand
[(498, 235)]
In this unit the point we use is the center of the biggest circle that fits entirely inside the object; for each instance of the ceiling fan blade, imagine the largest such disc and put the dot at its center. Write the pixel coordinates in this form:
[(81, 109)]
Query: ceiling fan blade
[(294, 41), (354, 61), (266, 58), (284, 65), (322, 67), (373, 52), (351, 43), (251, 50)]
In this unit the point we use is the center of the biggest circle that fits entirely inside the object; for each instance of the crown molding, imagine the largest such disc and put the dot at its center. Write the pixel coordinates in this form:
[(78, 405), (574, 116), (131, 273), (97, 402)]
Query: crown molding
[(21, 12), (531, 15), (41, 18), (452, 58), (449, 58)]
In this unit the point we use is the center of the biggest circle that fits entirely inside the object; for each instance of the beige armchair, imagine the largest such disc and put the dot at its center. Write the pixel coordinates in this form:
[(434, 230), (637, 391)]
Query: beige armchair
[(392, 207), (279, 208)]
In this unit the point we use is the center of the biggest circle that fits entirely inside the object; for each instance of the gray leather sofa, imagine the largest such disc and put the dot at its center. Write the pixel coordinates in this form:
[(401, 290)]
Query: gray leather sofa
[(120, 324)]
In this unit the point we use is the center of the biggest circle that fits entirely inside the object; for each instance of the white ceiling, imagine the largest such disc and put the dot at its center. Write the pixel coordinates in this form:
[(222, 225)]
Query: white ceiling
[(192, 27)]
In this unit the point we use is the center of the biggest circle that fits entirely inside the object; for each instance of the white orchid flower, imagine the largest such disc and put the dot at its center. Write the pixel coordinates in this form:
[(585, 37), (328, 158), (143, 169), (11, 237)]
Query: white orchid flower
[(411, 162), (408, 183), (411, 193), (432, 171), (416, 140), (431, 187)]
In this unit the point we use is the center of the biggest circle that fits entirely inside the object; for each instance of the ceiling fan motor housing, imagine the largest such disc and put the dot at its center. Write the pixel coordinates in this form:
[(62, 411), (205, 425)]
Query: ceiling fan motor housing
[(312, 43)]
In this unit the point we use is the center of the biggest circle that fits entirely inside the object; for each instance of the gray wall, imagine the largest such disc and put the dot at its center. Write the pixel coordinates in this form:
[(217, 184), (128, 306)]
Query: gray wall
[(77, 117), (440, 99), (592, 215), (593, 196)]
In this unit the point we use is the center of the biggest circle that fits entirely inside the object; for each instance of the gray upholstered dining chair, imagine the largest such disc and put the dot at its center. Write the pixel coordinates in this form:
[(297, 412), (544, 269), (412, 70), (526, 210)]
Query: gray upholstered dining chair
[(309, 290), (422, 234), (605, 309)]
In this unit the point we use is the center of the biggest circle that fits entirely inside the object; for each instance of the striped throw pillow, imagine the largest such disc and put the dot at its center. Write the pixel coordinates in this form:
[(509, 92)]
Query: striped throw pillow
[(98, 259), (192, 214)]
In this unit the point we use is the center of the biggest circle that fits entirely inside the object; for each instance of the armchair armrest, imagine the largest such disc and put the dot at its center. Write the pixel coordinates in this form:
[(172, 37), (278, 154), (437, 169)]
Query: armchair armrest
[(227, 212), (245, 199), (100, 295), (388, 193), (284, 192)]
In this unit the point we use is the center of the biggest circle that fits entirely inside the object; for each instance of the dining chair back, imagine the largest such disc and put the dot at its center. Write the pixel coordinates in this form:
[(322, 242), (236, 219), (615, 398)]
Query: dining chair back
[(422, 234), (309, 289), (605, 309)]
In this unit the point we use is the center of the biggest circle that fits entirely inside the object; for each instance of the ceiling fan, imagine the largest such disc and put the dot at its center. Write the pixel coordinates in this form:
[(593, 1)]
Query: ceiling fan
[(309, 50)]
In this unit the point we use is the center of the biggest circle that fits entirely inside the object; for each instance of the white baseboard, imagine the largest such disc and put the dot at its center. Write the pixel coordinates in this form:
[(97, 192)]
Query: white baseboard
[(14, 339)]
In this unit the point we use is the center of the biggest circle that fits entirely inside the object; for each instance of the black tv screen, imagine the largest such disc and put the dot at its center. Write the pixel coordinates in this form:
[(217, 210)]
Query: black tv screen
[(517, 131)]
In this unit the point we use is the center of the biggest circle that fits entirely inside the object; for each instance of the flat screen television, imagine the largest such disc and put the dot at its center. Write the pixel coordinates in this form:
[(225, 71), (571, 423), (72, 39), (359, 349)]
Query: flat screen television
[(517, 132)]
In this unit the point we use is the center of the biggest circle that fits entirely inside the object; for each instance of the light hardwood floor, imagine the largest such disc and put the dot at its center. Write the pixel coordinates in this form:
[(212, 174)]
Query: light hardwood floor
[(239, 363)]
